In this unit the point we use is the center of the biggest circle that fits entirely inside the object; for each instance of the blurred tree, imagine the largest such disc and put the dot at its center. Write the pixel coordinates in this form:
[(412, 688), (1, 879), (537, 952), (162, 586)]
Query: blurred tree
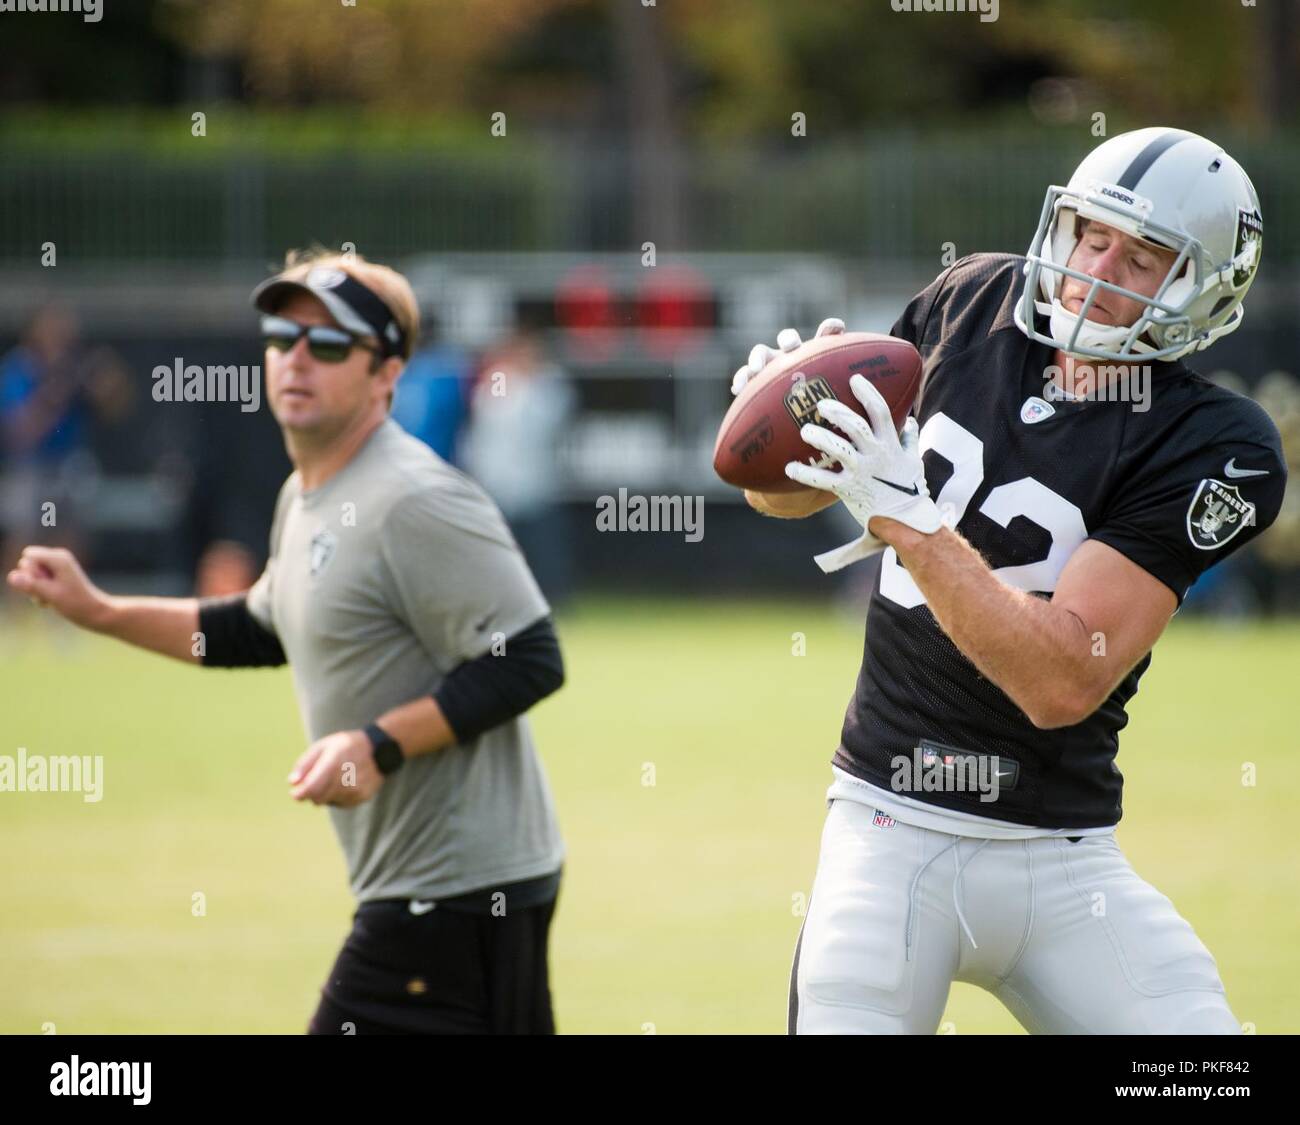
[(408, 54), (1167, 60), (1172, 61), (60, 60), (671, 68)]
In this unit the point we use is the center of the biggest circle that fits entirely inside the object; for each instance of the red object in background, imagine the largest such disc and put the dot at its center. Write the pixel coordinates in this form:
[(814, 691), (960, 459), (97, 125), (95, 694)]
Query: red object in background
[(585, 311), (673, 305)]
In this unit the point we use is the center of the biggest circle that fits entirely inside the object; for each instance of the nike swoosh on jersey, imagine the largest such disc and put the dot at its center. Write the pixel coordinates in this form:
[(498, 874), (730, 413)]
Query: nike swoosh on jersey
[(913, 491), (417, 907), (1231, 470)]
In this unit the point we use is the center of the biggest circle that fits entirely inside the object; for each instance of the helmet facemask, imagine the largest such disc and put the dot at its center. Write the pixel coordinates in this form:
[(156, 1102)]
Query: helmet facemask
[(1163, 329)]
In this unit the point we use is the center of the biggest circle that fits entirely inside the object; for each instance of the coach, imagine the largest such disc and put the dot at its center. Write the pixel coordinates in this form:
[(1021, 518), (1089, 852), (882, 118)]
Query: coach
[(417, 638)]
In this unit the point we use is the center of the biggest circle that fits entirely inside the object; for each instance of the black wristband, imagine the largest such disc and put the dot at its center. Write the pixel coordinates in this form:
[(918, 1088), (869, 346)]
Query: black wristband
[(387, 751)]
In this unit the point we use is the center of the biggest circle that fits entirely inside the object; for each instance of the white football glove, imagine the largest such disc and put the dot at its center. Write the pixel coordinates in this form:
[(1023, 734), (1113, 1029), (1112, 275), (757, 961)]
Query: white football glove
[(787, 340), (882, 475)]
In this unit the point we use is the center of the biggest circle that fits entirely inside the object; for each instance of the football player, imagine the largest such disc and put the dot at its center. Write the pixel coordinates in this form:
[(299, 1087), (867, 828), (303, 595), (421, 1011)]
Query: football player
[(1063, 482)]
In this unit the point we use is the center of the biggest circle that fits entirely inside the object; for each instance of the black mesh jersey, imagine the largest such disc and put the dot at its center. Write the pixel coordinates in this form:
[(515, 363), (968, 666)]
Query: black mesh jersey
[(1174, 487)]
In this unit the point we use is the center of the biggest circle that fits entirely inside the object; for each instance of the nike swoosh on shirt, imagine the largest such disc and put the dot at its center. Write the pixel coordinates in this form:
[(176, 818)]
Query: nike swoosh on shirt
[(418, 907), (1231, 470), (913, 491)]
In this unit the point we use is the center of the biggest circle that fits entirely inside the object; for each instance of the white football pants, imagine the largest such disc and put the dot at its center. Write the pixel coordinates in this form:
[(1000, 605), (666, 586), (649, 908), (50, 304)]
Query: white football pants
[(1065, 934)]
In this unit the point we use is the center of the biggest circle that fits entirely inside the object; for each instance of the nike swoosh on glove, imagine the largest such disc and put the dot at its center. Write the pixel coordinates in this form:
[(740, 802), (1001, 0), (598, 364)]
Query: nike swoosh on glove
[(882, 475)]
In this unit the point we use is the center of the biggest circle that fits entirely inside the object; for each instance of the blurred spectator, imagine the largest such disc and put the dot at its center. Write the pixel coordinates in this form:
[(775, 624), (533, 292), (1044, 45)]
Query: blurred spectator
[(45, 467), (1279, 393), (519, 415), (429, 402), (109, 392), (226, 567)]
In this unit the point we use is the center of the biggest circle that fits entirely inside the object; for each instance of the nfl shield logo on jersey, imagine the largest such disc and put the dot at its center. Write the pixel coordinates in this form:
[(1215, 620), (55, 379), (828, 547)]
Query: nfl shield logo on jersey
[(883, 820), (1035, 409), (1216, 514), (322, 550)]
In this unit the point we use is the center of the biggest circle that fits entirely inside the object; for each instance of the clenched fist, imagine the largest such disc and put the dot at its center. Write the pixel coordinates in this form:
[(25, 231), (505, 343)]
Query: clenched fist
[(337, 770), (52, 576)]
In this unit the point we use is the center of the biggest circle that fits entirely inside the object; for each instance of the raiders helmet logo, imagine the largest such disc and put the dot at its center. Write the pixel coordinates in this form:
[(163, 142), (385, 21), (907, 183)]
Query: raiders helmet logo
[(1217, 512), (322, 550), (1246, 250)]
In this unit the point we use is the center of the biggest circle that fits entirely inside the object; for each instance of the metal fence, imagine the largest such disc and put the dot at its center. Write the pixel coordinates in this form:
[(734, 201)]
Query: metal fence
[(893, 196)]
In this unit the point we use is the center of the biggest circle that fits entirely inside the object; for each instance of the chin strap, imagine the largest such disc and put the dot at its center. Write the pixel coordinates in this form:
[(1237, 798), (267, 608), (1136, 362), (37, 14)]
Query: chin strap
[(927, 520), (1091, 335), (862, 547)]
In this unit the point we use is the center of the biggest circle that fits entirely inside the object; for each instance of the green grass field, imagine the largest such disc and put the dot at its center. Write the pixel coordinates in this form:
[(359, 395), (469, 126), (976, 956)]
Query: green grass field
[(677, 913)]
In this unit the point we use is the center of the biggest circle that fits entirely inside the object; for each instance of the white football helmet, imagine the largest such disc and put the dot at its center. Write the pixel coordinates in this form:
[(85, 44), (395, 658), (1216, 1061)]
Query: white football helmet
[(1169, 187)]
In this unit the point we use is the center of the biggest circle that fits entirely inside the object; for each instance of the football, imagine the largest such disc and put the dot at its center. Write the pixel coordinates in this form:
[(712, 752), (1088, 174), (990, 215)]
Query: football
[(760, 432)]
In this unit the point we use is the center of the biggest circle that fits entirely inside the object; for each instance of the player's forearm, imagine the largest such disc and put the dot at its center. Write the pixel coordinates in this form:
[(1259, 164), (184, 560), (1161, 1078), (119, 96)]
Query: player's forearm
[(481, 694), (164, 625), (419, 727), (790, 505), (1039, 654)]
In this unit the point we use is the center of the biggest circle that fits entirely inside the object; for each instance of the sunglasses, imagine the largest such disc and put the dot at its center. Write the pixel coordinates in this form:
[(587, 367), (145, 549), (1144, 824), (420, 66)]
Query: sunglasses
[(325, 342)]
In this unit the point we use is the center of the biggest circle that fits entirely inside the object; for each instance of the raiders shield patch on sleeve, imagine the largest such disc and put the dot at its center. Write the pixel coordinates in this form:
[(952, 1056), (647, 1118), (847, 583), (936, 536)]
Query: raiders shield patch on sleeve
[(1217, 512)]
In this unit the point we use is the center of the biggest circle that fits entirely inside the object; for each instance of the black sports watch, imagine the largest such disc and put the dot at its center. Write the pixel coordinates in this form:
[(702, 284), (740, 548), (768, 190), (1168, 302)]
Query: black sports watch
[(388, 754)]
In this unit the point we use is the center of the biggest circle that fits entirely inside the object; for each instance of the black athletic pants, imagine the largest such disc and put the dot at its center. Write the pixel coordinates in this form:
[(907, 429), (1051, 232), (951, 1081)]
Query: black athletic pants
[(439, 970)]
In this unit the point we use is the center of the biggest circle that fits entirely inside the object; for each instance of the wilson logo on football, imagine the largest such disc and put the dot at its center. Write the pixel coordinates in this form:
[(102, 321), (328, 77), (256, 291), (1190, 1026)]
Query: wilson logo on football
[(753, 442)]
